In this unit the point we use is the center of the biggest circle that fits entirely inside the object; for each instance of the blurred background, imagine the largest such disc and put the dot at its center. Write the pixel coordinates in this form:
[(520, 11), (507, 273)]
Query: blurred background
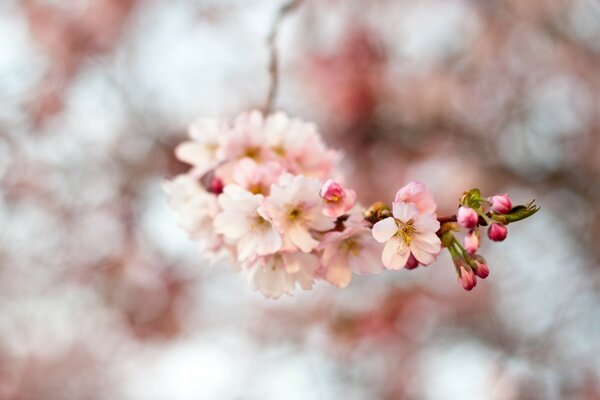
[(102, 296)]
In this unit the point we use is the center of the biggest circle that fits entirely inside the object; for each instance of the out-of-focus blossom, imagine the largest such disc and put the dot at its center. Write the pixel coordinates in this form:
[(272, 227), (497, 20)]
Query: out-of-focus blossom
[(276, 274), (194, 206), (467, 217), (501, 203), (256, 178), (297, 209), (203, 151), (497, 232), (243, 220), (348, 251), (338, 199), (407, 232)]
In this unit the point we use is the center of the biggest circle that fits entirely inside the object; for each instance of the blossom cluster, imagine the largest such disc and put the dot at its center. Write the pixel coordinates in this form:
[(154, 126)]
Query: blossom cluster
[(267, 192), (262, 190)]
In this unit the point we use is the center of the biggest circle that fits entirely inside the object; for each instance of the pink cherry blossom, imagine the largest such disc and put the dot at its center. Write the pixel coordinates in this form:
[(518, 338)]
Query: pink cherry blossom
[(276, 274), (243, 220), (204, 150), (467, 217), (405, 233), (254, 177), (348, 251), (416, 193), (246, 138), (194, 206), (296, 208), (338, 199)]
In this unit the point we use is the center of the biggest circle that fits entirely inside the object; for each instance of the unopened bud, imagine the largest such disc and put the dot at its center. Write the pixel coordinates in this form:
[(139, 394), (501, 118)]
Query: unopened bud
[(412, 262), (497, 232), (216, 186), (501, 203), (467, 278), (482, 269), (471, 242), (467, 217)]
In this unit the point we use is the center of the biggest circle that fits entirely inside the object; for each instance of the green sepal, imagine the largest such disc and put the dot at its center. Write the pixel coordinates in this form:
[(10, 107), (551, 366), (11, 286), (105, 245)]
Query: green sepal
[(518, 213), (471, 199)]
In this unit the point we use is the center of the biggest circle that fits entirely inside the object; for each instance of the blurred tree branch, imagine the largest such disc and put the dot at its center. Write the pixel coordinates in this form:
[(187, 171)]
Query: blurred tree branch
[(285, 11)]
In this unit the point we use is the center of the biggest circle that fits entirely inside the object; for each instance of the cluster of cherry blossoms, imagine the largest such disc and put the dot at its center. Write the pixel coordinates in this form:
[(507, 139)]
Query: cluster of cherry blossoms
[(267, 192)]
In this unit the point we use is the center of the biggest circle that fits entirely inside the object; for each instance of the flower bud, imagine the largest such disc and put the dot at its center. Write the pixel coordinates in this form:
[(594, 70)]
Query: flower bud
[(467, 217), (467, 278), (471, 242), (482, 269), (412, 262), (497, 232), (338, 199), (501, 203), (216, 186)]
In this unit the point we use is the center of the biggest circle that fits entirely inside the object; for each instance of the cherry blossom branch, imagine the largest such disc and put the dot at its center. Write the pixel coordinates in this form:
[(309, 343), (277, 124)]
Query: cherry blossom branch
[(285, 11)]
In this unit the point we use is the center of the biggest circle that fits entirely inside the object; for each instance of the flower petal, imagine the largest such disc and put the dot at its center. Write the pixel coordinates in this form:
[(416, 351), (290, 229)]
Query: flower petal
[(302, 238), (338, 272), (384, 230), (404, 211), (395, 254), (426, 223)]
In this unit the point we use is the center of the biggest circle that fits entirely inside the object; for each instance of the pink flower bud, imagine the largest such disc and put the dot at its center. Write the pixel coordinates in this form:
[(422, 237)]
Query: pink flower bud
[(412, 262), (338, 200), (501, 203), (216, 186), (467, 278), (467, 217), (497, 232), (471, 242), (482, 270)]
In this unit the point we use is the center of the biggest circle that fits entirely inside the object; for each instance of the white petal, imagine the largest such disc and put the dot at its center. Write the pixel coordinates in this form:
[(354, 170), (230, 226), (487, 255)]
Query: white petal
[(247, 246), (428, 242), (384, 229), (395, 254), (300, 236), (321, 222), (232, 225), (426, 223), (423, 256), (404, 211), (269, 241), (192, 153)]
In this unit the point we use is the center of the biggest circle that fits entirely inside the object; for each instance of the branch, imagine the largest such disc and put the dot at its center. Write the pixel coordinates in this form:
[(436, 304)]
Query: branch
[(285, 11)]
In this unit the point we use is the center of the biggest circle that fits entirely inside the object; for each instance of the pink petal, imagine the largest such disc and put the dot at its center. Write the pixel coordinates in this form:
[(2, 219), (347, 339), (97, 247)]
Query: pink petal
[(338, 272)]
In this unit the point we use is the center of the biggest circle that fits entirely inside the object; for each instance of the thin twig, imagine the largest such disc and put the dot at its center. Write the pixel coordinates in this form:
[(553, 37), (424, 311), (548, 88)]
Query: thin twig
[(285, 10)]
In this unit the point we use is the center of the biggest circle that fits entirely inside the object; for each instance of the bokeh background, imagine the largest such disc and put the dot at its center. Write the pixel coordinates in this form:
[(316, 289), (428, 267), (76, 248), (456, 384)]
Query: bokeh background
[(102, 296)]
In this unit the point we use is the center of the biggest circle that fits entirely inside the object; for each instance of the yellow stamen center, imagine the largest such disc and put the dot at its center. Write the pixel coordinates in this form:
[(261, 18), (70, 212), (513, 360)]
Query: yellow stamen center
[(405, 230), (351, 246)]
